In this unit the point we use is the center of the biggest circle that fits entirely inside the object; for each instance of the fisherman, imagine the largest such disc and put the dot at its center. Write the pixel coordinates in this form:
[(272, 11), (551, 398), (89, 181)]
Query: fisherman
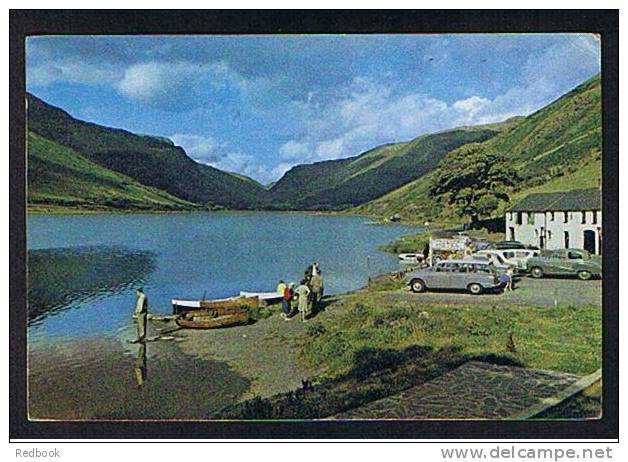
[(303, 292), (141, 311), (281, 287), (286, 301), (317, 288)]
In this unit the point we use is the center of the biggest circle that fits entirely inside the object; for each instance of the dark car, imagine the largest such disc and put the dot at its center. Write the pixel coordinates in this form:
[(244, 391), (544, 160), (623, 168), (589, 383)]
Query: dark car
[(506, 245), (563, 262)]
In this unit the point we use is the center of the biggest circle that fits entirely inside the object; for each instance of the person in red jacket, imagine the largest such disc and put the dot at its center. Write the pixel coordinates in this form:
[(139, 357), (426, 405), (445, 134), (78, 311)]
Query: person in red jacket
[(286, 301)]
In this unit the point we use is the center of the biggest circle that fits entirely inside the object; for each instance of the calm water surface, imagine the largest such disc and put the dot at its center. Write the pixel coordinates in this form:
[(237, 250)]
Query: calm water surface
[(84, 269), (210, 254)]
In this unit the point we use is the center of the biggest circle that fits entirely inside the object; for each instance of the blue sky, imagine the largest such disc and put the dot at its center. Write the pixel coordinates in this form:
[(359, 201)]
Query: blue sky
[(258, 105)]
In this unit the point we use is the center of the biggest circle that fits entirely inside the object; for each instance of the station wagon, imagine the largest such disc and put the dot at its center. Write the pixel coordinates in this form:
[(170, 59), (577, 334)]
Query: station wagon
[(474, 276)]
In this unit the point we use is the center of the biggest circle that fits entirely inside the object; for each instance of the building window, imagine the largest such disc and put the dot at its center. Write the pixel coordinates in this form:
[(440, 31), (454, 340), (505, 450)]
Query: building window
[(594, 217), (519, 218), (512, 233), (552, 216), (549, 235), (566, 238), (530, 218), (536, 232), (566, 217), (584, 218)]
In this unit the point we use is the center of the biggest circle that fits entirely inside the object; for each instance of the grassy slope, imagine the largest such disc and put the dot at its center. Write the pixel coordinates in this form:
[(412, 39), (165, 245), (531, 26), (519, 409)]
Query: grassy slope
[(60, 177), (556, 148), (339, 184), (152, 161), (566, 339), (366, 347)]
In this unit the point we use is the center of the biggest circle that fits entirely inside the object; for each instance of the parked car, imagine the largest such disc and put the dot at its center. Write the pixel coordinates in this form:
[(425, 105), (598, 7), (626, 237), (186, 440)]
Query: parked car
[(509, 245), (517, 258), (411, 258), (565, 262), (474, 276)]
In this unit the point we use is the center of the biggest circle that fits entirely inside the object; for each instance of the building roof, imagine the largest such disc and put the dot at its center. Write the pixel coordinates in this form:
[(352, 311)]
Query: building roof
[(578, 199)]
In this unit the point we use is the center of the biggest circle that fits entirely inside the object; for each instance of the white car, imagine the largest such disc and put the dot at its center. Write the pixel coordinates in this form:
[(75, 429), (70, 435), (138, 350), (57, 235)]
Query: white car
[(411, 257), (516, 257)]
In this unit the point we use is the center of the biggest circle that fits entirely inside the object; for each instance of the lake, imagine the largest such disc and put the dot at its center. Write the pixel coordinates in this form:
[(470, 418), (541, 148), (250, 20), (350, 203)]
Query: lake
[(190, 256), (84, 270)]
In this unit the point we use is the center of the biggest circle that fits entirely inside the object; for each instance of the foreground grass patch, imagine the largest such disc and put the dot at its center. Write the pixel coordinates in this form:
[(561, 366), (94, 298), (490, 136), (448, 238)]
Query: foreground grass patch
[(566, 339), (366, 348)]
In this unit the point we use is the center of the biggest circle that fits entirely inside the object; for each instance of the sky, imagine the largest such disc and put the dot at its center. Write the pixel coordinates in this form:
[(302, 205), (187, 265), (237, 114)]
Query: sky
[(258, 105)]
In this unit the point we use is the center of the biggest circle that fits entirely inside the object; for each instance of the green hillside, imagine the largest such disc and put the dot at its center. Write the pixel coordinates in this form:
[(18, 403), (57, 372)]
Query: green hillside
[(60, 177), (557, 148), (152, 161), (339, 184)]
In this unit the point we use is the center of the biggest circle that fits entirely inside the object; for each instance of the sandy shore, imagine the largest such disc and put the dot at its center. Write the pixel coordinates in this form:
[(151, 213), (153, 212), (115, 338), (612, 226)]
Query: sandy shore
[(266, 352)]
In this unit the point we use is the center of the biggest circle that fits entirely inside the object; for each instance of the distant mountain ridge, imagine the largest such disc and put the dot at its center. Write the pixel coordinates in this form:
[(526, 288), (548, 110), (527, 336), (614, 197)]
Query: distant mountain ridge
[(343, 183), (557, 148), (73, 163), (151, 161)]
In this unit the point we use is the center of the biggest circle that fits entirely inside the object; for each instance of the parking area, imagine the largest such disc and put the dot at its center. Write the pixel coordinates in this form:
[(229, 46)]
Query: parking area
[(546, 292)]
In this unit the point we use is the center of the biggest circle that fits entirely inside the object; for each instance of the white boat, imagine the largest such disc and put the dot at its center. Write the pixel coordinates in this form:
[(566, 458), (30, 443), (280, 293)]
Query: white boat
[(410, 257), (265, 296)]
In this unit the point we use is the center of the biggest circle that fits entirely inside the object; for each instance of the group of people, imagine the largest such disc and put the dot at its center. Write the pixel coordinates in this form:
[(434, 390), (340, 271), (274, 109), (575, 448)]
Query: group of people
[(305, 297)]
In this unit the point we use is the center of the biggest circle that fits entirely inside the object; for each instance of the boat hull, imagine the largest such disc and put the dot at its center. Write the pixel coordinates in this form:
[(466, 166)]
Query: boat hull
[(224, 306), (204, 320)]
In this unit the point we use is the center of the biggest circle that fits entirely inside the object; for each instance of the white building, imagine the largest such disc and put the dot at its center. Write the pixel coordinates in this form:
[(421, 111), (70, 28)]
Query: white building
[(570, 219)]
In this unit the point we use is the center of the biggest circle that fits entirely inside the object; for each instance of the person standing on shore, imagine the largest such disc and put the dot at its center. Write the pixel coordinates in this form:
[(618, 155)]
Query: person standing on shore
[(141, 311), (281, 287), (286, 301), (317, 288), (303, 292)]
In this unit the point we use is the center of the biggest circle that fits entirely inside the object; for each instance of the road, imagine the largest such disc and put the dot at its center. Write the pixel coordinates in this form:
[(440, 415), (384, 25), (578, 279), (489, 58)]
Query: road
[(544, 292)]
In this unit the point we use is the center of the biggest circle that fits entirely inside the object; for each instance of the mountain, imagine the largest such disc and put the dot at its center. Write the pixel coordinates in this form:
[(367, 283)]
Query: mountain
[(556, 148), (152, 161), (60, 177), (339, 184)]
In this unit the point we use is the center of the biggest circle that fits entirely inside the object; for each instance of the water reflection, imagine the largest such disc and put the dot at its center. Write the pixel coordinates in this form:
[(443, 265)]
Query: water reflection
[(140, 370), (108, 379), (60, 277)]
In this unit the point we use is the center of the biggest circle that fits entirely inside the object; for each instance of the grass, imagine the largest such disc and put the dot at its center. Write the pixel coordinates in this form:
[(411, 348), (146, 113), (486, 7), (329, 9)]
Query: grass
[(367, 348), (557, 148), (565, 339), (60, 179)]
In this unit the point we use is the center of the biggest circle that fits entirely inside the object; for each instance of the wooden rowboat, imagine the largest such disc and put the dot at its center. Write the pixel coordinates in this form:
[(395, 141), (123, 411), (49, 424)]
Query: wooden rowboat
[(204, 320), (221, 306)]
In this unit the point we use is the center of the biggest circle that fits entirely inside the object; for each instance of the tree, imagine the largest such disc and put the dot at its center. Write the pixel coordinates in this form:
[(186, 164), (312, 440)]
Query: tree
[(475, 180)]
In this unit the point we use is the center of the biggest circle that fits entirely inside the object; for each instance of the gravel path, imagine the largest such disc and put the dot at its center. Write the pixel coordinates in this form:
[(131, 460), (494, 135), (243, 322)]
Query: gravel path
[(474, 390), (528, 292)]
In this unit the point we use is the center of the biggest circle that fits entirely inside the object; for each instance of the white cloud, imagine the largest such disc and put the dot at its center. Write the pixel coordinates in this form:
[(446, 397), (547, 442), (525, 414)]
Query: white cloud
[(207, 150), (372, 113), (201, 148), (73, 71)]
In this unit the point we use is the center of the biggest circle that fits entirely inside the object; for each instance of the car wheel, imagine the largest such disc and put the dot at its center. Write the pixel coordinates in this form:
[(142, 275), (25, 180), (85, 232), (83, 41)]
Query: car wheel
[(436, 259), (584, 275), (475, 288), (417, 286), (536, 272)]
